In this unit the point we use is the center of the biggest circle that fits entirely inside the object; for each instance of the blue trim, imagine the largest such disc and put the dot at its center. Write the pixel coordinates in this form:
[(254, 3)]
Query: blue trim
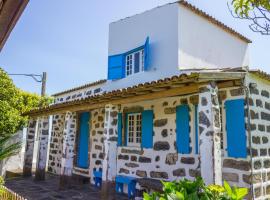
[(182, 129), (116, 66), (119, 129), (147, 55), (235, 127), (147, 129), (134, 50), (82, 160), (117, 69)]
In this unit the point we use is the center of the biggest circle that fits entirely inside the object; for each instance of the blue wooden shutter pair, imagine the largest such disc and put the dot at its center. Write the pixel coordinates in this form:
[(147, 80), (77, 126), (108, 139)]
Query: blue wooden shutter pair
[(182, 129), (235, 127), (116, 67), (147, 129), (117, 64)]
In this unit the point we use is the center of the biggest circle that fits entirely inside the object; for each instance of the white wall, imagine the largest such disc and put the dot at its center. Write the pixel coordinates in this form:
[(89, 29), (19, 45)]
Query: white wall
[(160, 24), (180, 40), (205, 45)]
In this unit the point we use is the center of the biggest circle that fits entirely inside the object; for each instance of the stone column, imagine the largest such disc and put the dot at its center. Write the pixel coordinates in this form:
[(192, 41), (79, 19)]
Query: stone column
[(43, 133), (29, 147), (209, 129), (110, 144), (69, 133)]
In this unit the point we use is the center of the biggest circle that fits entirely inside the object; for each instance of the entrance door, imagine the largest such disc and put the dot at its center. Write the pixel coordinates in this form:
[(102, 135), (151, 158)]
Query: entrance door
[(83, 140)]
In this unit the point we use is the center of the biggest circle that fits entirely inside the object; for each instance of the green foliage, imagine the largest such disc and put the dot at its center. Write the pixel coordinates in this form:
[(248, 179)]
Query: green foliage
[(256, 11), (197, 190), (244, 7), (2, 182), (13, 103)]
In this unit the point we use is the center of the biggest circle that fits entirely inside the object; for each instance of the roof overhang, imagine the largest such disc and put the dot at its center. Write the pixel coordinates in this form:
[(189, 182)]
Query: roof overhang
[(169, 87), (10, 11)]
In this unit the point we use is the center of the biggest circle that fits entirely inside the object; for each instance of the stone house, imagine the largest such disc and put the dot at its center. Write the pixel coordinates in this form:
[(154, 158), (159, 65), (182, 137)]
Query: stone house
[(168, 110)]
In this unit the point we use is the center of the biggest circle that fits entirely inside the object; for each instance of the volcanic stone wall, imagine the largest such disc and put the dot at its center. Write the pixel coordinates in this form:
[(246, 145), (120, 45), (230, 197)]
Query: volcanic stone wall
[(163, 161), (56, 144), (96, 148), (260, 131)]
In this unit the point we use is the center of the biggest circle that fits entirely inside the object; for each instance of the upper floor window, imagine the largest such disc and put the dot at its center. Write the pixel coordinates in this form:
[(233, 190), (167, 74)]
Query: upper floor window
[(134, 129), (135, 62)]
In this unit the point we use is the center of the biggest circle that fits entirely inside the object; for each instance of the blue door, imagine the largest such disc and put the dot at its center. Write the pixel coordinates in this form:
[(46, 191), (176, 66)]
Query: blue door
[(83, 140)]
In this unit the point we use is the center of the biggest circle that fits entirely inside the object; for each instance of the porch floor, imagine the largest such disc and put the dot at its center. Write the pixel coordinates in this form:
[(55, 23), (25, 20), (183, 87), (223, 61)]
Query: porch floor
[(49, 190)]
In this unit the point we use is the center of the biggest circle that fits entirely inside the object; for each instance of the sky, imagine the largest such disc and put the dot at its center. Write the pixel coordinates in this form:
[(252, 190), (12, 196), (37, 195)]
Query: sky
[(69, 39)]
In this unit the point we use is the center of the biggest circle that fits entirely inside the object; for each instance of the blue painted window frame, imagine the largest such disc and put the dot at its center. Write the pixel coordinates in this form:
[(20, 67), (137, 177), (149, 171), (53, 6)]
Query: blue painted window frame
[(143, 144), (121, 70)]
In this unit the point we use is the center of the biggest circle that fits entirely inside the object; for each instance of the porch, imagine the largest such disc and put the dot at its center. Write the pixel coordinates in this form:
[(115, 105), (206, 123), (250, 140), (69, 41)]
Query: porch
[(49, 190)]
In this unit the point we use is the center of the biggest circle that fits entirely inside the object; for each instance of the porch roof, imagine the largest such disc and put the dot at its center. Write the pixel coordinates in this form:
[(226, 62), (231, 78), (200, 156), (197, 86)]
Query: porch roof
[(183, 84)]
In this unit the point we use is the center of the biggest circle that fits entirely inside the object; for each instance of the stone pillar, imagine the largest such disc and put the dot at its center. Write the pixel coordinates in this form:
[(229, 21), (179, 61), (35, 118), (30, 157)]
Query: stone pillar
[(69, 133), (29, 148), (110, 144), (209, 129), (43, 133)]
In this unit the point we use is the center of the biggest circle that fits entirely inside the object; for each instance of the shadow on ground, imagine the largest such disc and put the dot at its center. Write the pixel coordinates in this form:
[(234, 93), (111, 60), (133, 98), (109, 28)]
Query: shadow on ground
[(49, 190)]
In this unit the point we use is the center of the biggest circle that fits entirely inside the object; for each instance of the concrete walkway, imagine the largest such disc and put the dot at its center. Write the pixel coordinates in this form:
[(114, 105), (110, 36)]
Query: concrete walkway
[(49, 190)]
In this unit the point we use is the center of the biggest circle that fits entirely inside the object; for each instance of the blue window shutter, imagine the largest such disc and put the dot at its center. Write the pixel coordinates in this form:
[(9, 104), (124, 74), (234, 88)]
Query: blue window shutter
[(116, 67), (147, 129), (119, 129), (196, 125), (182, 129), (146, 55), (235, 127), (83, 140)]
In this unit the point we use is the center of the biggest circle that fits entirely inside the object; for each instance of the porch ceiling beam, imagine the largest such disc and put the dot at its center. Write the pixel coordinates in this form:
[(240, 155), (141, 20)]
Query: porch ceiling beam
[(126, 96)]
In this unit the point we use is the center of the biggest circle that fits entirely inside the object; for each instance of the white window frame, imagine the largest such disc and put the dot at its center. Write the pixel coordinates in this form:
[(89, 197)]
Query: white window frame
[(130, 62), (134, 130)]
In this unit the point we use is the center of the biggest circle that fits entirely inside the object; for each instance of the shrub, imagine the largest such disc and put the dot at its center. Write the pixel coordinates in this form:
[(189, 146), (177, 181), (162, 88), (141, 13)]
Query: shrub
[(197, 190)]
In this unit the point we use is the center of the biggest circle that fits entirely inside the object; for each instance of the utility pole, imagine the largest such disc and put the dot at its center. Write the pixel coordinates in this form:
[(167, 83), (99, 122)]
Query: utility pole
[(43, 84), (42, 79)]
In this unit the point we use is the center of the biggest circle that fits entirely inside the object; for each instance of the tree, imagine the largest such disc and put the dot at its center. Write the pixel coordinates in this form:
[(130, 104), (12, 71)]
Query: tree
[(13, 103), (256, 11)]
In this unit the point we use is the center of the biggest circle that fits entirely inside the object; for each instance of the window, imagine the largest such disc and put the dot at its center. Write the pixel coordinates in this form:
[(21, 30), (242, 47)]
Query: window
[(134, 129), (135, 62)]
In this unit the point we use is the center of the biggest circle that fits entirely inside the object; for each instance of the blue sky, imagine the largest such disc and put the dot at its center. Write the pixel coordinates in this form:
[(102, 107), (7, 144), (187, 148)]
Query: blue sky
[(69, 40)]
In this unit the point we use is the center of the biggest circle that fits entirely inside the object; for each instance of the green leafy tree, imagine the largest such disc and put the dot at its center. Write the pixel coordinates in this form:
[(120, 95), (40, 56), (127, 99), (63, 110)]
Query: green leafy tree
[(13, 103), (256, 11)]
